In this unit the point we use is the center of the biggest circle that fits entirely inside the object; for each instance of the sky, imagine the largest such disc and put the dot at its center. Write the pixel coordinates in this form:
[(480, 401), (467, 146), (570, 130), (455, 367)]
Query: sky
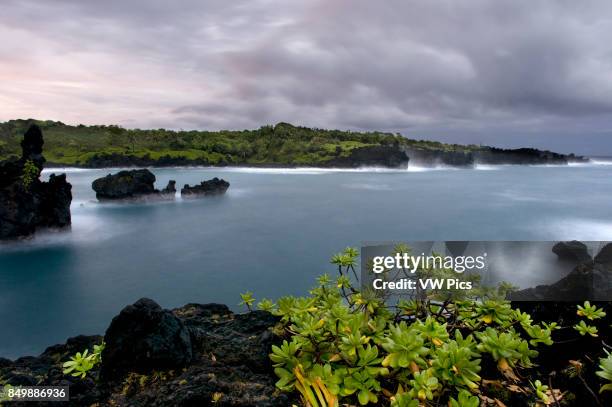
[(509, 73)]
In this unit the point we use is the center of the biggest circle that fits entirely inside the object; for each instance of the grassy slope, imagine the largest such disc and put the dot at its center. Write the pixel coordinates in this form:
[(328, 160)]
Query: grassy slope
[(281, 144)]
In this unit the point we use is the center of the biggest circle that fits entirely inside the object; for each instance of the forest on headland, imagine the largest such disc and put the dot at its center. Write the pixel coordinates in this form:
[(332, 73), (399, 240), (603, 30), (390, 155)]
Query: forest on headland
[(280, 145)]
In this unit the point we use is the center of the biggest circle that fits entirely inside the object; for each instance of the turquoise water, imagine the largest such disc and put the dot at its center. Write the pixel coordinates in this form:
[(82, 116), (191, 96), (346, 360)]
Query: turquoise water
[(272, 233)]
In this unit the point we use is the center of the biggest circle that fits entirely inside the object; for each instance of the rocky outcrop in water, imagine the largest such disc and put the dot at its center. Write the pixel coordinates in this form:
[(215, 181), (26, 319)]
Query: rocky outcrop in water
[(215, 355), (461, 157), (26, 203), (213, 186), (523, 156), (131, 185)]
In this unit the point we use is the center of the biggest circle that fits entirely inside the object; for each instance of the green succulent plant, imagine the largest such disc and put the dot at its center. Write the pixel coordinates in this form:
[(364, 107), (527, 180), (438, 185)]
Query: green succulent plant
[(364, 385), (344, 345), (605, 372), (266, 305), (506, 348), (404, 400), (247, 300), (457, 365), (540, 391), (405, 347), (539, 334), (584, 329), (464, 399), (285, 360), (82, 363), (590, 312), (493, 311), (424, 385), (432, 330)]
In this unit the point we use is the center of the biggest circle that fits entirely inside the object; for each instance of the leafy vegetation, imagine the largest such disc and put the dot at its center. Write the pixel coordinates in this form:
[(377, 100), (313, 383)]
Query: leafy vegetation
[(590, 312), (247, 299), (605, 372), (81, 363), (345, 346), (30, 174), (279, 144)]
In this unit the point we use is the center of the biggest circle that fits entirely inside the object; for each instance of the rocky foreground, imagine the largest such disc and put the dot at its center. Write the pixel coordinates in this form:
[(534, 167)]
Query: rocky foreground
[(190, 356), (26, 203)]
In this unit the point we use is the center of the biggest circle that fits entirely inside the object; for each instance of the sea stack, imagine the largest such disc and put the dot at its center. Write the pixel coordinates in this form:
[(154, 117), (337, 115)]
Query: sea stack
[(132, 185), (26, 203), (213, 186)]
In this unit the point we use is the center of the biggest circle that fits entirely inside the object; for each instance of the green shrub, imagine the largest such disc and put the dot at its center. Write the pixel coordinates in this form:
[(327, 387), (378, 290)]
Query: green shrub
[(80, 364), (354, 347), (30, 174)]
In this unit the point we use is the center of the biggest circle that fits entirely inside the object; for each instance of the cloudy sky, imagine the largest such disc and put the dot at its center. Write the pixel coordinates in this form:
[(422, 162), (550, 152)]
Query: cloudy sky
[(507, 73)]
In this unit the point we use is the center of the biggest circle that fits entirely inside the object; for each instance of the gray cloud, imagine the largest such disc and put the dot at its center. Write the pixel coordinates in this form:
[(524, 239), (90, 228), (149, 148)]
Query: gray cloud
[(508, 72)]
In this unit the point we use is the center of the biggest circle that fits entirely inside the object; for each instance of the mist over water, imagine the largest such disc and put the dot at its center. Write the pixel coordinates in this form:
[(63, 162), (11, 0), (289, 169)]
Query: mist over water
[(272, 233)]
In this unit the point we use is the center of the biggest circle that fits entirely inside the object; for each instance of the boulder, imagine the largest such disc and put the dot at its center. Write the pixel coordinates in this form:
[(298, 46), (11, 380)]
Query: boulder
[(573, 251), (230, 356), (131, 185), (26, 203), (214, 186), (144, 337)]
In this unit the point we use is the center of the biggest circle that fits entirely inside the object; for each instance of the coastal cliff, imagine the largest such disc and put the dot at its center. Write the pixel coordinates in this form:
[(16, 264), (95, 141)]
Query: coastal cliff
[(281, 145)]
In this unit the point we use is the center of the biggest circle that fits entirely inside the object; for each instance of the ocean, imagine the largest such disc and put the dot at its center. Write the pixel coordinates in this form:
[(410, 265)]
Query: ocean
[(272, 233)]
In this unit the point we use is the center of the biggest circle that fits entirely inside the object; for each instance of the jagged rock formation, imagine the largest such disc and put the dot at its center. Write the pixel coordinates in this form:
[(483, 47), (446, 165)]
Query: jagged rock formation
[(488, 155), (573, 251), (213, 186), (589, 280), (131, 185), (26, 203), (224, 354)]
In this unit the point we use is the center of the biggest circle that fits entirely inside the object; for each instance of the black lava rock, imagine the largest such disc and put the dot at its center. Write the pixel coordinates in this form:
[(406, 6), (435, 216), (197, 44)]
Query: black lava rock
[(214, 186), (573, 251), (371, 156), (26, 203), (144, 337), (225, 357), (131, 185), (605, 255), (590, 280), (170, 188)]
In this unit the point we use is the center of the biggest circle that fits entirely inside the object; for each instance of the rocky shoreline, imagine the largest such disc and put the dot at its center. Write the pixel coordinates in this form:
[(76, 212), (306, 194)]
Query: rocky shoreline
[(204, 355), (373, 156), (187, 356)]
